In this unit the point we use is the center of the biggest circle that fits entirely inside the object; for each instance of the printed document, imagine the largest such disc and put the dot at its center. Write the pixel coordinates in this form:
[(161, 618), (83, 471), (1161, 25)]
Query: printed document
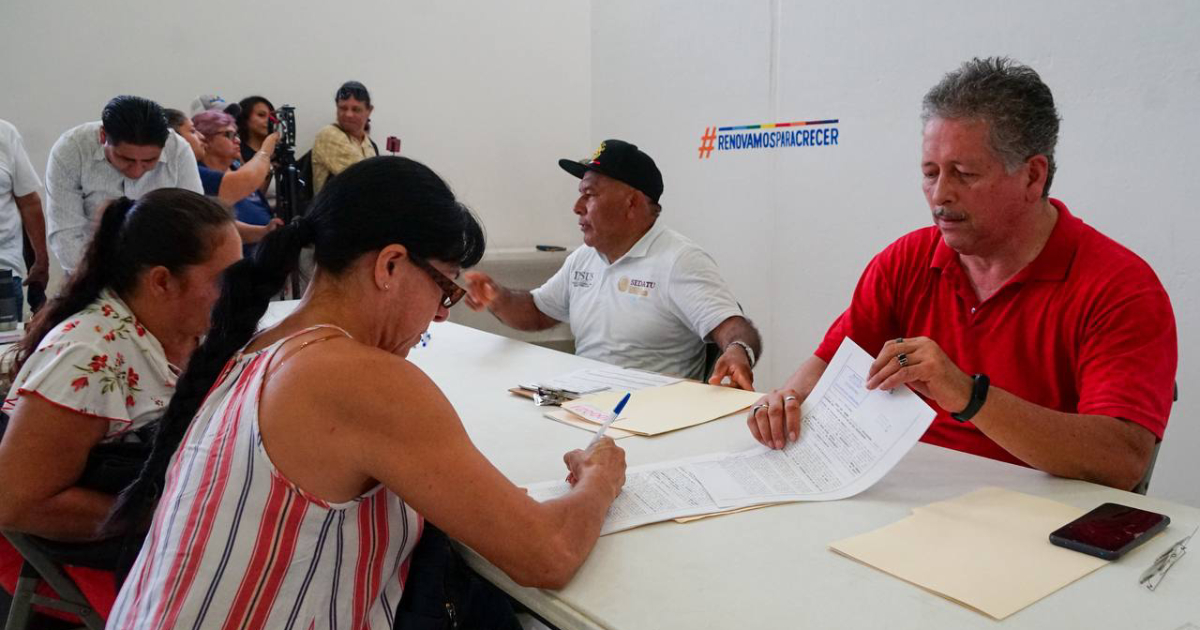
[(591, 380), (652, 493), (849, 439)]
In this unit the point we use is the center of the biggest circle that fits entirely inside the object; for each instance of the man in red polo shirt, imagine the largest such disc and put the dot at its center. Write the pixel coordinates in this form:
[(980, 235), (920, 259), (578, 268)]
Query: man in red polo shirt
[(1039, 340)]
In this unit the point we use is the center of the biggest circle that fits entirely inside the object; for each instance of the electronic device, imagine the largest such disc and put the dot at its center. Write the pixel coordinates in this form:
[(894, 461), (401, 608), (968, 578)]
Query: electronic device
[(1110, 530)]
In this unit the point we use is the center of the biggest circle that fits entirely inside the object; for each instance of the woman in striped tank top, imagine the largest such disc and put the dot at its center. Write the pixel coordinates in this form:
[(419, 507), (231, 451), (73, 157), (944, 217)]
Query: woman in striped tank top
[(297, 466)]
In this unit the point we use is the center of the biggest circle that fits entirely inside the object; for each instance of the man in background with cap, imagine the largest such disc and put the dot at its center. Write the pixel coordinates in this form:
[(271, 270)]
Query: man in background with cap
[(128, 153), (637, 294)]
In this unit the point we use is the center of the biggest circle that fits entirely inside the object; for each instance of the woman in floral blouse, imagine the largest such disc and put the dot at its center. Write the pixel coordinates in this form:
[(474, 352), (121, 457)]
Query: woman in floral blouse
[(99, 364)]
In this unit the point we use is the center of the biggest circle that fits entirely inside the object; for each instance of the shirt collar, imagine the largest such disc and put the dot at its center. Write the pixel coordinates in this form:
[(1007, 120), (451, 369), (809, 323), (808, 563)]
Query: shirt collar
[(1051, 264), (642, 246)]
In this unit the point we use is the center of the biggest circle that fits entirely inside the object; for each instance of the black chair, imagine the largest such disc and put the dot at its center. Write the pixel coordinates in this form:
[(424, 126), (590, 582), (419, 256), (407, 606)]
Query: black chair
[(109, 469), (43, 565)]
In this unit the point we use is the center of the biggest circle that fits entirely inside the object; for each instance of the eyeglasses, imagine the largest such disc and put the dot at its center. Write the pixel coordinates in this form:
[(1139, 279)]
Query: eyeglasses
[(357, 94), (451, 292), (229, 135)]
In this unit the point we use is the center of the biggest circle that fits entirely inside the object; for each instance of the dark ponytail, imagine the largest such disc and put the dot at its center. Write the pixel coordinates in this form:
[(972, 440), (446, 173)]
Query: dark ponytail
[(171, 228), (374, 203)]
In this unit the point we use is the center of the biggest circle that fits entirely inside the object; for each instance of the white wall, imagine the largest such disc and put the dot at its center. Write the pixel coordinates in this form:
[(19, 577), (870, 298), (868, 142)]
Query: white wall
[(793, 228), (483, 92)]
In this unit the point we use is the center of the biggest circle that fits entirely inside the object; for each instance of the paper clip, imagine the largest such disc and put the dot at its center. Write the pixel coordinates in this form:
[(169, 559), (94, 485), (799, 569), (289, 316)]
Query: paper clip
[(549, 397), (1157, 571)]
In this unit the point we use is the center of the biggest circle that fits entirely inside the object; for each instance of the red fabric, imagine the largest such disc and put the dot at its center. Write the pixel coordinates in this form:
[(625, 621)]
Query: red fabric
[(1085, 328), (99, 587)]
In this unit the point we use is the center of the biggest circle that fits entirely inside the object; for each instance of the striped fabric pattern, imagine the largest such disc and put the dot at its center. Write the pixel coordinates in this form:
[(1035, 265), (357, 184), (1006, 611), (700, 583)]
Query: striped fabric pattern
[(235, 545)]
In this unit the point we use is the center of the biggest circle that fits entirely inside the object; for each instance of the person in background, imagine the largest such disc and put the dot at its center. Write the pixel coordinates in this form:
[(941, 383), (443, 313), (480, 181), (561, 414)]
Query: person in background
[(252, 124), (128, 153), (99, 365), (182, 125), (1038, 340), (21, 216), (637, 294), (239, 185), (345, 142), (207, 102), (324, 427)]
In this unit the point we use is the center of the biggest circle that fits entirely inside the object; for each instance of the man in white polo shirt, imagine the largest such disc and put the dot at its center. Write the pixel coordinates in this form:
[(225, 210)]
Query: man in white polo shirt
[(128, 153), (20, 209), (637, 294)]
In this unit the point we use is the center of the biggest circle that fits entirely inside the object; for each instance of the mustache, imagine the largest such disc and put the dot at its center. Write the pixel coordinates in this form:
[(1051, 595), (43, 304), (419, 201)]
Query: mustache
[(949, 215)]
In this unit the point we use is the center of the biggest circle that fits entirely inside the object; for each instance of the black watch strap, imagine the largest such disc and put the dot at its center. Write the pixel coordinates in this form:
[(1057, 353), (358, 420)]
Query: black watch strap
[(978, 396)]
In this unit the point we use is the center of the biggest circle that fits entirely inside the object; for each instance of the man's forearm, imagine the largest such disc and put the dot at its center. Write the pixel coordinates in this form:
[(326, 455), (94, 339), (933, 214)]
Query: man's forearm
[(516, 308), (1099, 449), (738, 329), (30, 207)]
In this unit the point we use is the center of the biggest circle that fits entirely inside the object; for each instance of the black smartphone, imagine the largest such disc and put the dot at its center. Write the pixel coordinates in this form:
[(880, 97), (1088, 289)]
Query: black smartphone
[(1109, 530)]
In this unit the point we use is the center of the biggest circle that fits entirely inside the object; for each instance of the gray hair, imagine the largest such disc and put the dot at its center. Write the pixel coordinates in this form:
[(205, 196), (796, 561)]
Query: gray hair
[(1011, 98)]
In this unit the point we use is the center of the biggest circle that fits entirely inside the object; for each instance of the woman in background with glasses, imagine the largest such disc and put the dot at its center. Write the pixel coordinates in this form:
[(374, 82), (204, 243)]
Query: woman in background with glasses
[(345, 142), (297, 465), (223, 176)]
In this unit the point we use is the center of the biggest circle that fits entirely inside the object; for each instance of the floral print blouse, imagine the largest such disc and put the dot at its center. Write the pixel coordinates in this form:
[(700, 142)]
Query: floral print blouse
[(100, 362)]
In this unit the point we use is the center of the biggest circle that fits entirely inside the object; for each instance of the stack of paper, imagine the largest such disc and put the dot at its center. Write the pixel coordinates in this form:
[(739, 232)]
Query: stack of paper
[(611, 378), (988, 550), (850, 438), (661, 409)]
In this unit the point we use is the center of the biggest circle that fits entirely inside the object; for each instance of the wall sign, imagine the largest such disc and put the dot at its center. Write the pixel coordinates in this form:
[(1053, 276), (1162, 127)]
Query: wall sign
[(823, 133)]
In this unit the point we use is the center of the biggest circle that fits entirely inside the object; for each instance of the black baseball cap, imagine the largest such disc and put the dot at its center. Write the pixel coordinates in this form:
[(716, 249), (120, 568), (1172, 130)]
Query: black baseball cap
[(623, 162)]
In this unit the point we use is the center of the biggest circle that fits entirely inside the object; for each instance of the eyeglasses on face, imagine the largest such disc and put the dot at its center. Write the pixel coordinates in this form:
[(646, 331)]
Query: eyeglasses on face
[(354, 93), (228, 135), (451, 292)]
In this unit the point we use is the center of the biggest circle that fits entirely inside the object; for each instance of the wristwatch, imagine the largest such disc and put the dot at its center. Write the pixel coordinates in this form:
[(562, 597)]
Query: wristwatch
[(745, 346), (978, 397)]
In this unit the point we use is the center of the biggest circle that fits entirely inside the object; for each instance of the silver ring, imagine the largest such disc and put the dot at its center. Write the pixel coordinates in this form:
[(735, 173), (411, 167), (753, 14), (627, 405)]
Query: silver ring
[(902, 359), (755, 408), (789, 398), (899, 339)]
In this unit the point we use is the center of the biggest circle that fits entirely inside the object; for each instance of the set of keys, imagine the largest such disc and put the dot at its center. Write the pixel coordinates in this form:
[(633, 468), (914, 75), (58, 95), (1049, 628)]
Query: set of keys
[(1157, 571)]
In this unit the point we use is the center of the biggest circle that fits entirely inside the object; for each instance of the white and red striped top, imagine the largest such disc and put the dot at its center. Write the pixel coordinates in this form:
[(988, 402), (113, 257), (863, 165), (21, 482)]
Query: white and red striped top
[(235, 545)]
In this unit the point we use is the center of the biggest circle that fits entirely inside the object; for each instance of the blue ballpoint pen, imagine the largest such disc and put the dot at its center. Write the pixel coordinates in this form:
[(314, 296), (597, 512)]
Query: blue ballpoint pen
[(608, 421)]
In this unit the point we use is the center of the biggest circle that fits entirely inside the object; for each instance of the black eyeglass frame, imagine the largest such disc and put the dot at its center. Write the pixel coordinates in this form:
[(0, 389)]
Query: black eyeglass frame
[(451, 292)]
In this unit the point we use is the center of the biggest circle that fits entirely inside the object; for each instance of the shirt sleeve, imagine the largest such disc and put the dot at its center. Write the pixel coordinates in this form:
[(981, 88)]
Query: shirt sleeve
[(83, 378), (210, 180), (1129, 353), (184, 163), (869, 320), (553, 298), (25, 180), (67, 227), (698, 294)]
